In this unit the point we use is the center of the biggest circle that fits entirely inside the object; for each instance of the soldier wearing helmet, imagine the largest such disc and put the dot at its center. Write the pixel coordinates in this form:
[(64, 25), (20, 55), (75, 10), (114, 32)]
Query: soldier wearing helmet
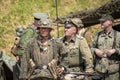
[(30, 32), (19, 31), (42, 50)]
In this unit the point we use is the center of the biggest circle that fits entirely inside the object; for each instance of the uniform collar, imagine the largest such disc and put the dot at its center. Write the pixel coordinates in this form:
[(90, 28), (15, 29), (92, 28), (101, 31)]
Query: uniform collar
[(73, 39), (110, 34), (39, 39)]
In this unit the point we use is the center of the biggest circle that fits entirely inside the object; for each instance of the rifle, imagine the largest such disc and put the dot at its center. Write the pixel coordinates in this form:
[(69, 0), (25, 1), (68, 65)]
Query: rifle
[(52, 67), (32, 65), (93, 75)]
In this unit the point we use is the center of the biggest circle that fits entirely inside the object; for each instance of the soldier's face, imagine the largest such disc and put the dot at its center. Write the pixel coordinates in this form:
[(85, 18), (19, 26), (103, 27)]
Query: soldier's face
[(106, 24), (69, 31), (44, 32)]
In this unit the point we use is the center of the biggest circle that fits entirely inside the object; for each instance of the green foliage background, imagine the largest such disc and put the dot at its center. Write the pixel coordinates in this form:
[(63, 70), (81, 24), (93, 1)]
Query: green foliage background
[(14, 13)]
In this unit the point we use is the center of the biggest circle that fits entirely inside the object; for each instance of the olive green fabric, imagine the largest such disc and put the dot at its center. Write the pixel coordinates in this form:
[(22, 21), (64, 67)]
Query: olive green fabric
[(78, 53), (108, 64), (41, 55)]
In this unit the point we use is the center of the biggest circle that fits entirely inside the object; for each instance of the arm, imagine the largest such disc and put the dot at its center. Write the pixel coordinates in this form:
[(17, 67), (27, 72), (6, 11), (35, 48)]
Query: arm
[(95, 49), (86, 54), (24, 62), (27, 35), (118, 43)]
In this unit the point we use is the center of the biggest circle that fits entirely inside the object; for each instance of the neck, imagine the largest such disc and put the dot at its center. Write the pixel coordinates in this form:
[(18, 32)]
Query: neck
[(107, 30), (44, 39), (68, 38)]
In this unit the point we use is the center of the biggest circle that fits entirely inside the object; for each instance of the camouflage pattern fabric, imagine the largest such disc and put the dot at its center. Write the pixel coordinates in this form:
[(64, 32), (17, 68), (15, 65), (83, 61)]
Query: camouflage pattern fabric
[(41, 55), (109, 64), (29, 33)]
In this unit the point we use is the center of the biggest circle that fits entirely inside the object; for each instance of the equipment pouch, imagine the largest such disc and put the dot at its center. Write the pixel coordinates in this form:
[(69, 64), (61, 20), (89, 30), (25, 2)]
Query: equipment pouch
[(43, 73), (113, 68), (102, 66)]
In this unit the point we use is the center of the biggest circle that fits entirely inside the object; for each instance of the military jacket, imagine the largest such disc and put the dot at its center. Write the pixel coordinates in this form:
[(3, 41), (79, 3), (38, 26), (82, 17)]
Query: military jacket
[(41, 54), (106, 42), (78, 53), (29, 33)]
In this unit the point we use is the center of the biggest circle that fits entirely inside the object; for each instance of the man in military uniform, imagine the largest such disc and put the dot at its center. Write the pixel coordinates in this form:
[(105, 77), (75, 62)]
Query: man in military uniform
[(106, 47), (41, 50), (78, 57), (30, 32), (19, 31)]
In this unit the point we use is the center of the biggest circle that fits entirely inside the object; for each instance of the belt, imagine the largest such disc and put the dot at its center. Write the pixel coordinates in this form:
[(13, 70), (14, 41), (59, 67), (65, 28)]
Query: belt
[(41, 67), (71, 66)]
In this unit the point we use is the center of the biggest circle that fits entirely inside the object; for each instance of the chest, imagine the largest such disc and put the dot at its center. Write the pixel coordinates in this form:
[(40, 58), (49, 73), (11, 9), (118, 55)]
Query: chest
[(105, 42), (43, 54)]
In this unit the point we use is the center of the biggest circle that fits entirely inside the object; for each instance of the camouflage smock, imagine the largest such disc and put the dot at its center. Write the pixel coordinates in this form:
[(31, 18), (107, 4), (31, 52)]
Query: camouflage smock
[(29, 33), (41, 55), (110, 64)]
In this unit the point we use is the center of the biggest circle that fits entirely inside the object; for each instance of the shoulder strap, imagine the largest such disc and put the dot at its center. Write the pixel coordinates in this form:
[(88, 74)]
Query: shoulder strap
[(97, 40), (114, 43)]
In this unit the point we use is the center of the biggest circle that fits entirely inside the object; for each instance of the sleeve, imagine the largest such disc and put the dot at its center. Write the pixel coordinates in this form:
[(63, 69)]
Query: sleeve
[(25, 61), (62, 50), (94, 43), (23, 41), (86, 54)]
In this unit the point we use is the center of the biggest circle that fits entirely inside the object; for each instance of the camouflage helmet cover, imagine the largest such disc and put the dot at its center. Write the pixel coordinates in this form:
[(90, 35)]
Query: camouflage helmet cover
[(77, 22), (46, 23), (20, 31)]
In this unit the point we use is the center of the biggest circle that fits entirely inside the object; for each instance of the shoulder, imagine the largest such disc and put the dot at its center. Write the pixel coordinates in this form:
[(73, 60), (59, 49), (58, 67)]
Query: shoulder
[(118, 32), (80, 37), (32, 41), (59, 39), (56, 40), (28, 31), (99, 33)]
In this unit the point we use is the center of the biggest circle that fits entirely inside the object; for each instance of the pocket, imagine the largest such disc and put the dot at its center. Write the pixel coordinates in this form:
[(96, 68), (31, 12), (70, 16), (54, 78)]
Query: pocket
[(113, 68), (102, 66)]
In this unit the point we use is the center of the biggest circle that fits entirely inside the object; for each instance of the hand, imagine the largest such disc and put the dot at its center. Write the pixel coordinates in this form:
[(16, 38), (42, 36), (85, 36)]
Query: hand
[(60, 69), (99, 53), (110, 52), (17, 58), (90, 71)]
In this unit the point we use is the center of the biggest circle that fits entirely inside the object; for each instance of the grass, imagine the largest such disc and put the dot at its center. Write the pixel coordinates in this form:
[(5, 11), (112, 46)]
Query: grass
[(14, 13)]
